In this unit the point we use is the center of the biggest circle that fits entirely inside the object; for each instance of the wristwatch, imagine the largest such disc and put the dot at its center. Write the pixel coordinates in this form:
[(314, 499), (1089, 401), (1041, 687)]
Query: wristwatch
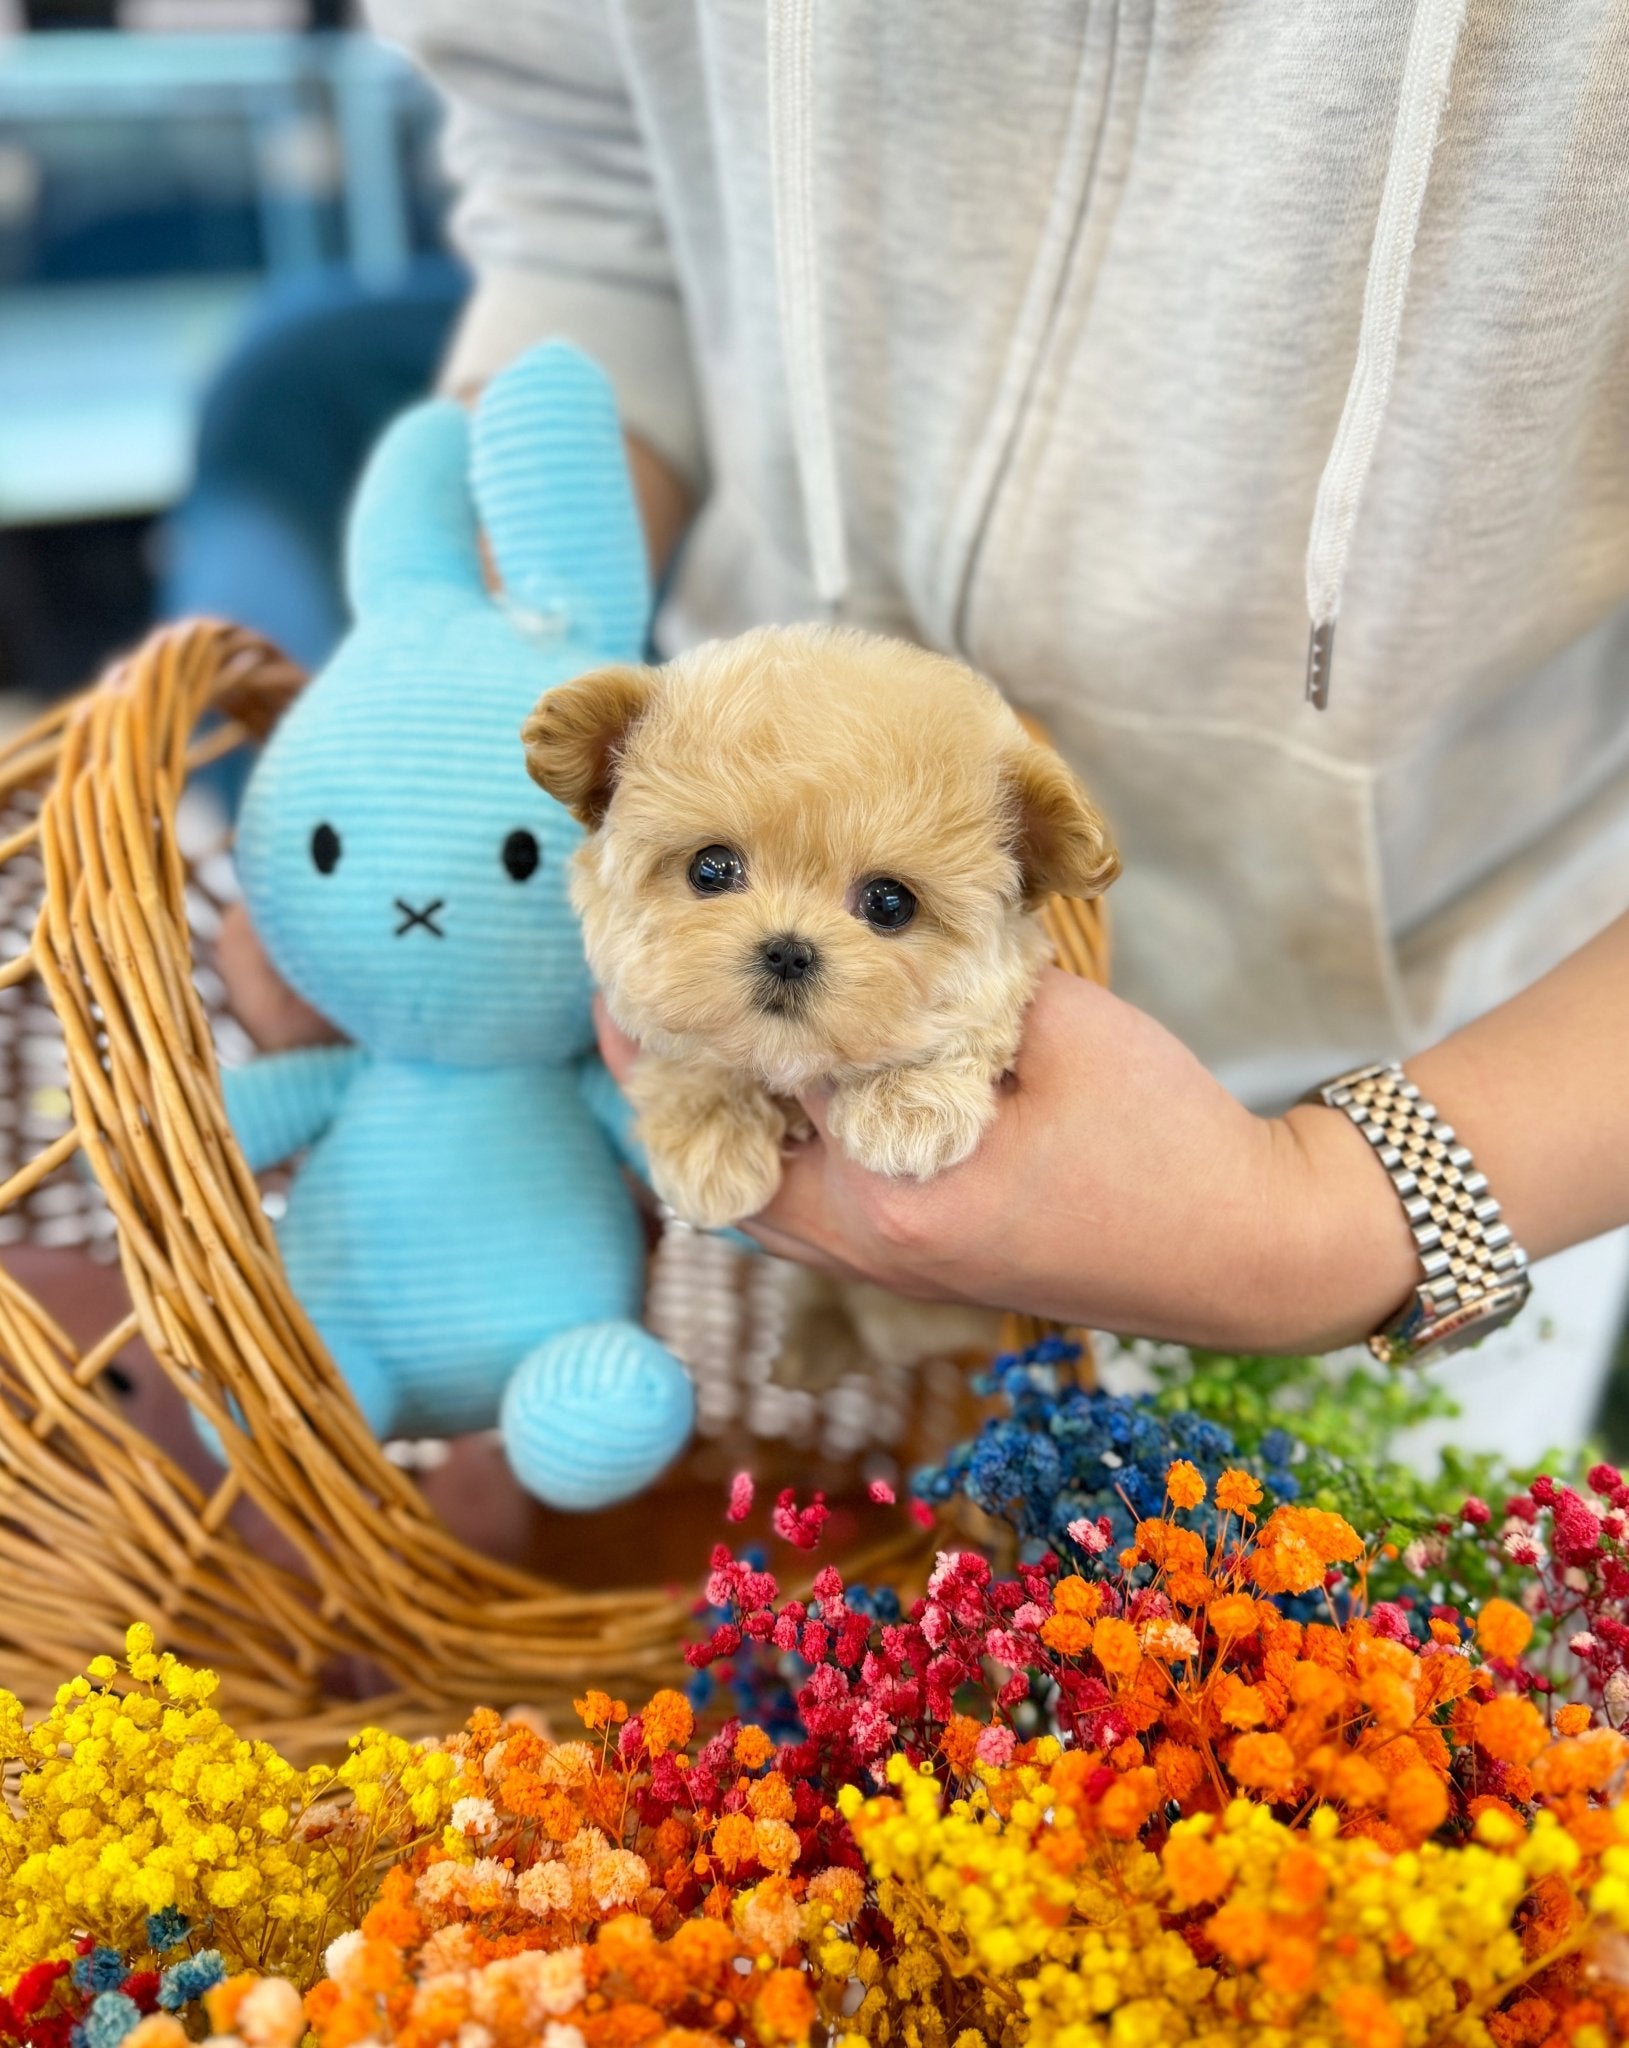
[(1474, 1274)]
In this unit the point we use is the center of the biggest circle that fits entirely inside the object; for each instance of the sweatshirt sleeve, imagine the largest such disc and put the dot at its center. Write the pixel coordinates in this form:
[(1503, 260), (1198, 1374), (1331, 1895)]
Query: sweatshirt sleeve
[(557, 210)]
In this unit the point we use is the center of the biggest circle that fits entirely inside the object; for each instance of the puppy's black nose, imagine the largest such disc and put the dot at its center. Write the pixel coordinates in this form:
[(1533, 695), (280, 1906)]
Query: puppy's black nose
[(790, 958)]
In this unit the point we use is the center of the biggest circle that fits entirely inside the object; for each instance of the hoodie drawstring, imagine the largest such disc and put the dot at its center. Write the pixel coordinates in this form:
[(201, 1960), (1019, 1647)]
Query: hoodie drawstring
[(1432, 45), (797, 278), (1422, 99)]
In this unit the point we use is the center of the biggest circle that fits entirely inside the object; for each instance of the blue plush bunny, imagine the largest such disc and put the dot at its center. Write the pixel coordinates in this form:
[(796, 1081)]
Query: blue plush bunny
[(459, 1230)]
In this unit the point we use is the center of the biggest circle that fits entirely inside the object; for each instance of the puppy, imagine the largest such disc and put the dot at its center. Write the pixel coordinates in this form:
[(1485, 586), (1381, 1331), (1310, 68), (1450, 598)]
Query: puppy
[(815, 856)]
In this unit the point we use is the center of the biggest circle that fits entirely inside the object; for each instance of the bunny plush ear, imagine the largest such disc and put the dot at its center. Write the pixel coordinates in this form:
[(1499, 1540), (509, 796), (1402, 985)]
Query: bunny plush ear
[(555, 499), (413, 522)]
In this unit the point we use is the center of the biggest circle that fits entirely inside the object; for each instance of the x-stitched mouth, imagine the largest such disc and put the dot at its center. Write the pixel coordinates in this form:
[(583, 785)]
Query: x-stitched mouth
[(425, 917)]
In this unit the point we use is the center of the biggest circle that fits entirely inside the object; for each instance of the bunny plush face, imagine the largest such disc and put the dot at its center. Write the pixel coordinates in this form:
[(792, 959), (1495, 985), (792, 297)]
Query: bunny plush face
[(407, 875)]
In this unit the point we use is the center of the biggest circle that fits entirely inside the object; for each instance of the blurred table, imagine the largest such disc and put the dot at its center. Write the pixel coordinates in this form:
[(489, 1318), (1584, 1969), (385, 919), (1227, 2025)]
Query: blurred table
[(150, 187), (99, 391)]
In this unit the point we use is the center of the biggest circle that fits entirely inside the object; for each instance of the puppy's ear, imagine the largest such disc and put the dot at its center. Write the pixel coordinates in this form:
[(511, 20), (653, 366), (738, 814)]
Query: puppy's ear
[(1062, 844), (577, 731)]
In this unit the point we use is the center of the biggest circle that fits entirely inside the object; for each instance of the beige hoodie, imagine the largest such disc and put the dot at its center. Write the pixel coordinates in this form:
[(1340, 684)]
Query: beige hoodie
[(1039, 330)]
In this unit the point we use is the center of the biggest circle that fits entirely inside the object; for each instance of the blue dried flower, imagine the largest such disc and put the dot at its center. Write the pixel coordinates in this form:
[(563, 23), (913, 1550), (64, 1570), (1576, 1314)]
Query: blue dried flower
[(188, 1979), (166, 1930), (103, 1969), (1063, 1451), (110, 2018)]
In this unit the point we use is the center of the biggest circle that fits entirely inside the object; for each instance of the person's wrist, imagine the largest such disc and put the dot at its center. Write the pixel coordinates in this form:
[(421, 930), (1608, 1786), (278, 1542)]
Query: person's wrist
[(1348, 1259)]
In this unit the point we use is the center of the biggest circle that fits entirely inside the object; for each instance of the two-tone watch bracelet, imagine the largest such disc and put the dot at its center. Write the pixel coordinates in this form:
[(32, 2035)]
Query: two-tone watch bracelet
[(1474, 1273)]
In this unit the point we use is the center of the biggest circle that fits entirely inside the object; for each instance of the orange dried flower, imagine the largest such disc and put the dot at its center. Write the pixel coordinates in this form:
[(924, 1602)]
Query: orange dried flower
[(1171, 1548), (784, 2008), (1579, 1763), (1237, 1493), (1417, 1804), (1068, 1634), (1264, 1763), (1184, 1484), (1193, 1870), (1503, 1630), (1115, 1646), (771, 1798), (668, 1722), (1367, 2019), (599, 1710), (959, 1743), (753, 1748), (1128, 1802), (1238, 1705), (1289, 1969), (1077, 1596), (1181, 1770), (734, 1841), (775, 1845), (1511, 1729), (1573, 1720), (1316, 1688), (1355, 1782), (1232, 1617), (1302, 1878), (1297, 1545), (392, 1917), (1242, 1933)]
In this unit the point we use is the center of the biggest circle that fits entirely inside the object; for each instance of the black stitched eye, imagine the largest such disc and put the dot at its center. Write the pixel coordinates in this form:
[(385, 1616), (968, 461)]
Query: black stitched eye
[(521, 854), (716, 870), (887, 906), (325, 849)]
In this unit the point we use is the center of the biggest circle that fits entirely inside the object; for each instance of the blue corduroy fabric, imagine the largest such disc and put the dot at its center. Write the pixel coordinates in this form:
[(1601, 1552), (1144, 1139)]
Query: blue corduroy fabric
[(459, 1229)]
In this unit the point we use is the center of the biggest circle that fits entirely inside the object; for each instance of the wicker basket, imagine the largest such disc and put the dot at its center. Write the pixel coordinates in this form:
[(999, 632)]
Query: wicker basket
[(315, 1558)]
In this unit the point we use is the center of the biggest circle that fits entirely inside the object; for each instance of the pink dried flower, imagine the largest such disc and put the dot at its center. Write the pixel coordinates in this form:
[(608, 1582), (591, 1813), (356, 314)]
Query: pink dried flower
[(801, 1527), (741, 1492), (995, 1746)]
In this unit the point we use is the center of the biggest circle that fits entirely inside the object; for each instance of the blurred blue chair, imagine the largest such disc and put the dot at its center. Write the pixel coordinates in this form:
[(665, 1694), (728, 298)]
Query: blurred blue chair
[(321, 366)]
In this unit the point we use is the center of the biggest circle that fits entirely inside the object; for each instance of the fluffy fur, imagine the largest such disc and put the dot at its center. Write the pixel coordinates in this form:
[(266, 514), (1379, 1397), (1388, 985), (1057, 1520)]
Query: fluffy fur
[(824, 758)]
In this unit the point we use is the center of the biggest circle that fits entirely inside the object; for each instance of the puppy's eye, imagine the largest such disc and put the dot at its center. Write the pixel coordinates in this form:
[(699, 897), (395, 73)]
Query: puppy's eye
[(886, 905), (716, 870), (521, 855), (325, 849)]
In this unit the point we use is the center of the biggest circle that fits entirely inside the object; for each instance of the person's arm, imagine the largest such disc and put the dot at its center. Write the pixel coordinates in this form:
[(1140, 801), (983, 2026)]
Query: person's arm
[(1539, 1091), (559, 217), (1123, 1188)]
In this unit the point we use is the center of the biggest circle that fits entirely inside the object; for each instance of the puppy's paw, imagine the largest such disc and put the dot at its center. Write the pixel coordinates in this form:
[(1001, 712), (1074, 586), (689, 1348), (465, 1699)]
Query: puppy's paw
[(713, 1142), (912, 1122)]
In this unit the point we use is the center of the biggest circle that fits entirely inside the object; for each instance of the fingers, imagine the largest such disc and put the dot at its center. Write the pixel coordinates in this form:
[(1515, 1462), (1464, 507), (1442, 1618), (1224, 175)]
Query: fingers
[(816, 1106), (617, 1049), (263, 1003)]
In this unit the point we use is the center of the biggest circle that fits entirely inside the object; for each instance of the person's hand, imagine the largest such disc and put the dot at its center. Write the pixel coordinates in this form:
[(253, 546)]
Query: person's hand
[(261, 1000), (1120, 1187)]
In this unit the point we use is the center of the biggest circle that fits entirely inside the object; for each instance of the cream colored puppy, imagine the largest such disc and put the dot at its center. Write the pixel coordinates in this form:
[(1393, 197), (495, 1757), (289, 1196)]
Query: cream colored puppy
[(815, 857)]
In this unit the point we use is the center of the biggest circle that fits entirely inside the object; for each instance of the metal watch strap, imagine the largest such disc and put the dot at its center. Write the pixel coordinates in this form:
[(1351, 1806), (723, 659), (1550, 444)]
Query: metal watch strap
[(1475, 1273)]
